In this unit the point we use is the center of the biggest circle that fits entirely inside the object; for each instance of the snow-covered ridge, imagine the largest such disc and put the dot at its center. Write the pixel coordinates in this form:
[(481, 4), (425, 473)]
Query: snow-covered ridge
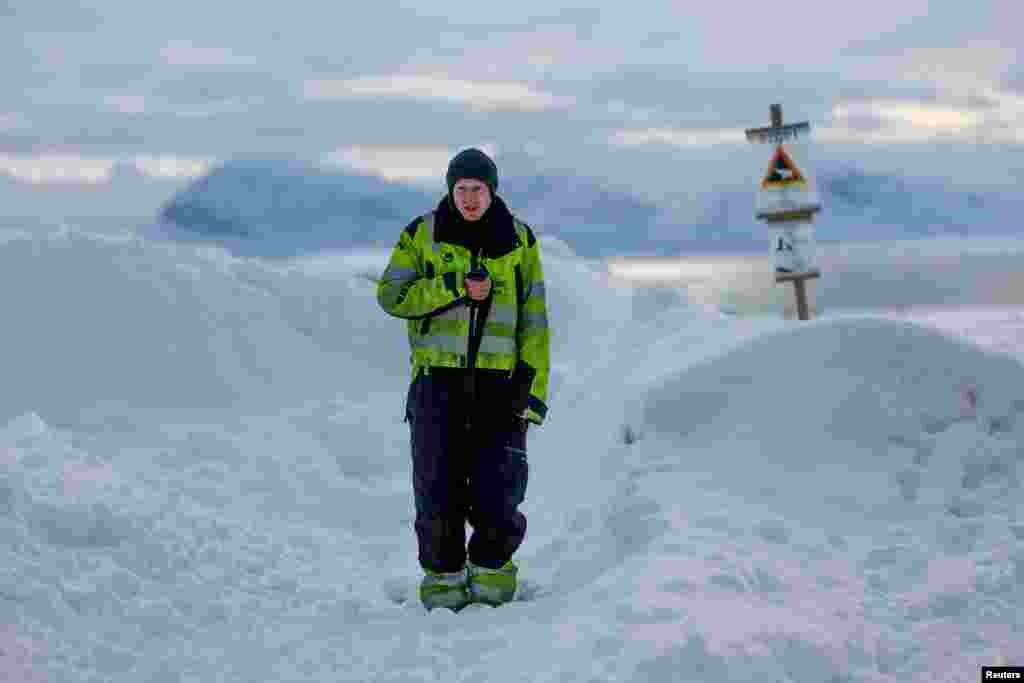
[(276, 208), (271, 207)]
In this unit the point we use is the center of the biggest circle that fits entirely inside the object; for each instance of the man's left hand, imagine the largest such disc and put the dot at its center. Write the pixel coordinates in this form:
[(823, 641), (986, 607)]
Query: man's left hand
[(478, 290)]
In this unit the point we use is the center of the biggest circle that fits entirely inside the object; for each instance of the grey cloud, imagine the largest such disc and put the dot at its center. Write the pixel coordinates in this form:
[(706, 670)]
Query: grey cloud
[(691, 99), (203, 87), (584, 22), (518, 18), (334, 124), (328, 65), (84, 130), (901, 90), (63, 64), (20, 142), (101, 139), (272, 37), (576, 17), (80, 131), (920, 93), (113, 75), (946, 25), (25, 15), (661, 38), (19, 68), (289, 128)]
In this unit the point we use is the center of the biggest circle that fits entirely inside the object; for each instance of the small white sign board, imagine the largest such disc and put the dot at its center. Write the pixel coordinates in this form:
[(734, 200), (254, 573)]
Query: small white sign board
[(793, 248)]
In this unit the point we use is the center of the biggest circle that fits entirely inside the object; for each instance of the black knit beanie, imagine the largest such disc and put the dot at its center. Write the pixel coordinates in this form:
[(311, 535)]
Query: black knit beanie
[(472, 163)]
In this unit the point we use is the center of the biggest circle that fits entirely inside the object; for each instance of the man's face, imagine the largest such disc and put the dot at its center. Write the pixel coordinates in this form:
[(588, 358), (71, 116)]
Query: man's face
[(472, 198)]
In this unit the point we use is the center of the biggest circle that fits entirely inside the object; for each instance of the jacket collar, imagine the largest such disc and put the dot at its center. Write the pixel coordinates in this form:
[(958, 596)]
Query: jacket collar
[(495, 233)]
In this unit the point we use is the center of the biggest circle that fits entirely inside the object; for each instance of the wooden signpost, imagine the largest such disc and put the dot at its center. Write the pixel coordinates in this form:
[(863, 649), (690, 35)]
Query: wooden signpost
[(787, 202)]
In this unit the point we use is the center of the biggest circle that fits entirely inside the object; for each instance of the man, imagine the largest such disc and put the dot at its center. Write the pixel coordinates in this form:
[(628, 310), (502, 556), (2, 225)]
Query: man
[(467, 279)]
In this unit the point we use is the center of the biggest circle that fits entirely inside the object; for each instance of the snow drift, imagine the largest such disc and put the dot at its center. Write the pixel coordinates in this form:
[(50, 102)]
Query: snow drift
[(832, 501)]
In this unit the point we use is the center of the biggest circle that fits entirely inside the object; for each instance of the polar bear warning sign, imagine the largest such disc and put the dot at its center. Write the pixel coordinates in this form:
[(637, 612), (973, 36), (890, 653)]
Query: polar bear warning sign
[(782, 172)]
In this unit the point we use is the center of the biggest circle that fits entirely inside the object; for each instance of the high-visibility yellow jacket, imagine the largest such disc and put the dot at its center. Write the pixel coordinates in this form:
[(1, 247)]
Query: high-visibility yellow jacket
[(423, 284)]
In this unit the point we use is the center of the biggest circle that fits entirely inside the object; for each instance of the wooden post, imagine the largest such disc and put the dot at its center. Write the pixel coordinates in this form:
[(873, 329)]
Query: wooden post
[(802, 309), (801, 300), (798, 279)]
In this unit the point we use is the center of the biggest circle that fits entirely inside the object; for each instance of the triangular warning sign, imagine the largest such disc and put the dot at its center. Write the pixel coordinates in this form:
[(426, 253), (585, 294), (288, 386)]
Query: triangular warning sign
[(782, 172)]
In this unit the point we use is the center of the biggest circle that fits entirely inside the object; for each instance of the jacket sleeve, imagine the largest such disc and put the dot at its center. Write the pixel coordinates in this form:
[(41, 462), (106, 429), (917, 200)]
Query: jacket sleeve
[(404, 292), (533, 337)]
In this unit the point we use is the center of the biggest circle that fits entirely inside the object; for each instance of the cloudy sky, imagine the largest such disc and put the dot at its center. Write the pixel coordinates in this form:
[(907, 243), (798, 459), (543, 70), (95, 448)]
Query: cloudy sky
[(637, 93)]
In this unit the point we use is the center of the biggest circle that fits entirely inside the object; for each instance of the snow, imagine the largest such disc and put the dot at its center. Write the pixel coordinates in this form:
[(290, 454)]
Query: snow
[(204, 475)]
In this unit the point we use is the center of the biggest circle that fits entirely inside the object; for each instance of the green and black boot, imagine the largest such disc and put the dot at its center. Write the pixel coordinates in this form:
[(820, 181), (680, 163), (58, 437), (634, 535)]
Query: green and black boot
[(492, 586), (444, 589)]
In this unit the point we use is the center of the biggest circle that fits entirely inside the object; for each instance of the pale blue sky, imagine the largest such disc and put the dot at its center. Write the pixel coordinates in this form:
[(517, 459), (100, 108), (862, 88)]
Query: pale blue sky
[(636, 93)]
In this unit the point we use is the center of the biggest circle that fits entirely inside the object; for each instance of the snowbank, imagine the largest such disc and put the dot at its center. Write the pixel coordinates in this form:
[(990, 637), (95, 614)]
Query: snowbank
[(204, 475)]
